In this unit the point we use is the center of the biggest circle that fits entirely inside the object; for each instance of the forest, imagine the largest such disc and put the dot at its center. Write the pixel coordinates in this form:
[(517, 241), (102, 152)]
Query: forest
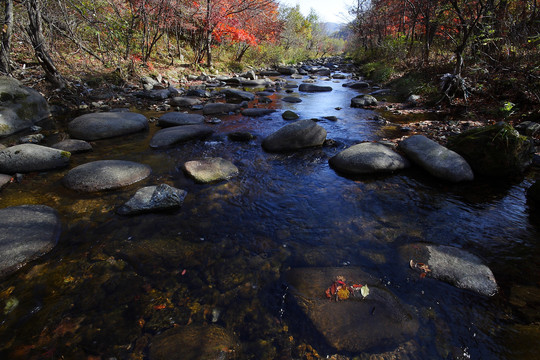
[(489, 46)]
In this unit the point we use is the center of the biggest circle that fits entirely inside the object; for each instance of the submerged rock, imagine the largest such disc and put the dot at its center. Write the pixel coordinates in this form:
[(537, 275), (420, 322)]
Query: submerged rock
[(356, 324), (298, 135), (194, 342), (20, 106), (179, 134), (255, 112), (211, 169), (26, 232), (241, 136), (497, 150), (153, 198), (105, 175), (436, 159), (96, 126), (368, 158), (178, 118), (289, 115), (291, 99), (73, 146), (30, 157), (453, 265)]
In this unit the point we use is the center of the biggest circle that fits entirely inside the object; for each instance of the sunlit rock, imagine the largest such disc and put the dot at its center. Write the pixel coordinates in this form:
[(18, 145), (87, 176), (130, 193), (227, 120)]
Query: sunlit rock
[(96, 126), (362, 101), (153, 198), (211, 169), (314, 88), (105, 175), (368, 158), (31, 157), (436, 159), (298, 135)]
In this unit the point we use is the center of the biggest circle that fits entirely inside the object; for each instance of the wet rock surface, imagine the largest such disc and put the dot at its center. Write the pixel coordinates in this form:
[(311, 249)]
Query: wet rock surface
[(105, 175), (211, 169), (220, 108), (436, 159), (377, 321), (153, 198), (362, 101), (193, 343), (314, 88), (178, 118), (179, 134), (73, 146), (368, 158), (452, 265), (298, 135), (31, 157), (98, 126), (253, 112), (26, 232)]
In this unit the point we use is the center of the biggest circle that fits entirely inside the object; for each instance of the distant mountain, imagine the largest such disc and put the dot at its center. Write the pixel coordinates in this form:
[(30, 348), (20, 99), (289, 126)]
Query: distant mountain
[(332, 27)]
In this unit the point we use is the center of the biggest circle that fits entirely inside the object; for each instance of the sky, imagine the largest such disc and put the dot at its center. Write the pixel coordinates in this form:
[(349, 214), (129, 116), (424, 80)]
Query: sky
[(328, 10)]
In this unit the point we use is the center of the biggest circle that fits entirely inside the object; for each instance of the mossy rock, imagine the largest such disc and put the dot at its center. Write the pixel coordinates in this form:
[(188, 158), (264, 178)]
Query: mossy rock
[(495, 151)]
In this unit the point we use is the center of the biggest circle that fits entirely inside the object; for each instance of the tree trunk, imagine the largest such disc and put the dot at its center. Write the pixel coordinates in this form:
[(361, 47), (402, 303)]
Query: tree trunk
[(38, 42), (208, 36), (5, 48)]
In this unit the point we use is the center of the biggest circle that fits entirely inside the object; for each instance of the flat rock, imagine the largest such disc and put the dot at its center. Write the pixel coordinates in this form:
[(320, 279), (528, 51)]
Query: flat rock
[(452, 265), (237, 94), (314, 88), (96, 126), (291, 99), (352, 325), (254, 112), (436, 159), (20, 106), (185, 101), (298, 135), (178, 119), (368, 158), (31, 157), (357, 85), (179, 134), (105, 175), (4, 180), (257, 83), (220, 108), (73, 146), (153, 198), (211, 169), (194, 342), (26, 232)]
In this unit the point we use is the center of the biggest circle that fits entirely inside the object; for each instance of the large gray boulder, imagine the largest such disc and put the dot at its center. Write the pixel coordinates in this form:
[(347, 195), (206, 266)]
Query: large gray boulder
[(362, 101), (105, 175), (153, 198), (178, 118), (368, 158), (4, 180), (185, 101), (450, 264), (298, 135), (237, 94), (314, 88), (26, 232), (436, 159), (211, 169), (220, 108), (179, 134), (352, 324), (20, 106), (31, 157), (495, 151), (96, 126)]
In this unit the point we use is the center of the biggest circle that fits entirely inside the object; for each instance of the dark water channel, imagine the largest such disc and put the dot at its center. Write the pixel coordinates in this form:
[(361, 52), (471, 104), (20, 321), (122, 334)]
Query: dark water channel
[(113, 283)]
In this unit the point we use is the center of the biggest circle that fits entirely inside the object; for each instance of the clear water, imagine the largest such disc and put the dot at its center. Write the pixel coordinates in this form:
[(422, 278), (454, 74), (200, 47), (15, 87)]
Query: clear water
[(112, 283)]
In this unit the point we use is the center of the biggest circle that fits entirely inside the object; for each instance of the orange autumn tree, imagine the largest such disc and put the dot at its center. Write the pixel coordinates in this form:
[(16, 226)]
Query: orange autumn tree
[(213, 21)]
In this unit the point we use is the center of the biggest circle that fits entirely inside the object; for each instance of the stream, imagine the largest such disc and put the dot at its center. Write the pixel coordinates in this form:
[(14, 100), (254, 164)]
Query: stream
[(113, 283)]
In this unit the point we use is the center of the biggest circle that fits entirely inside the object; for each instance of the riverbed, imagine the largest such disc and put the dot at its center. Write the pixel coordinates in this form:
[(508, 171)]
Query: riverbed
[(114, 283)]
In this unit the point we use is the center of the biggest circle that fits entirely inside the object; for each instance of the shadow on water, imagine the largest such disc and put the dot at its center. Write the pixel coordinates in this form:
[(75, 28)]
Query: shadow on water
[(114, 282)]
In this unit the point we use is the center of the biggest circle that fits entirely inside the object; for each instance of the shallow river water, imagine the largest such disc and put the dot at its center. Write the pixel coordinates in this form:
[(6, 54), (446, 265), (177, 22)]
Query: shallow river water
[(113, 283)]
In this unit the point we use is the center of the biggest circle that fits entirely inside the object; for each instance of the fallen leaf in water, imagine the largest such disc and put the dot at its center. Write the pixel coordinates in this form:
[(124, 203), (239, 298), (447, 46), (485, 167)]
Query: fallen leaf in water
[(7, 292), (343, 293), (364, 291), (11, 304), (160, 307)]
